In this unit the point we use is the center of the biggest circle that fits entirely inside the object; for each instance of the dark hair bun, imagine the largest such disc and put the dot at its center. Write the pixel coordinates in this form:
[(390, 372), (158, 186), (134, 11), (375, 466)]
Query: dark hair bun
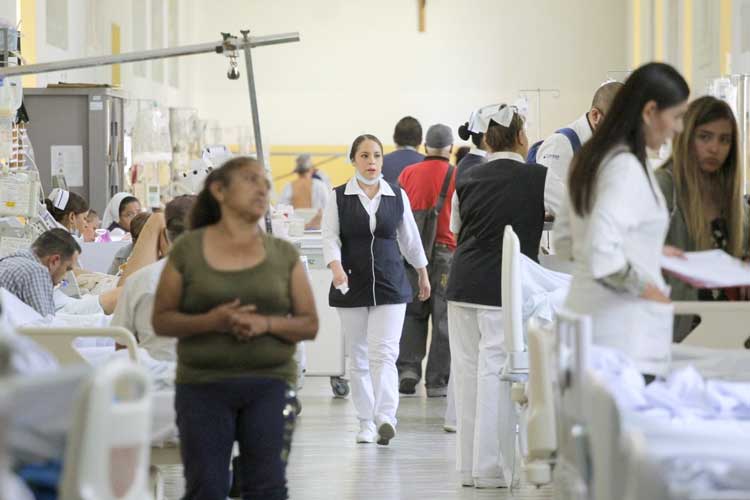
[(463, 131)]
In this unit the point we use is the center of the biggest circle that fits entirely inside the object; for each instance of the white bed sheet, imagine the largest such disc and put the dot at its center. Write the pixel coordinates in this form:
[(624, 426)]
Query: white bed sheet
[(697, 430)]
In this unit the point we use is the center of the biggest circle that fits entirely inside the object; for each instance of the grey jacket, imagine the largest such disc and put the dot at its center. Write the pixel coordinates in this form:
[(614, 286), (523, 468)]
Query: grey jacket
[(679, 236)]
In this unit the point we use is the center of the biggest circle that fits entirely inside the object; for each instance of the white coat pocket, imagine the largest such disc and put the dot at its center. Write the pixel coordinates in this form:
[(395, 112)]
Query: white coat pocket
[(654, 339)]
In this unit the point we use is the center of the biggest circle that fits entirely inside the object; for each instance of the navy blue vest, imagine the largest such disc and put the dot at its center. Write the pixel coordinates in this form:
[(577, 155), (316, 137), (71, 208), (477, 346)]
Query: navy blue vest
[(491, 196), (372, 260)]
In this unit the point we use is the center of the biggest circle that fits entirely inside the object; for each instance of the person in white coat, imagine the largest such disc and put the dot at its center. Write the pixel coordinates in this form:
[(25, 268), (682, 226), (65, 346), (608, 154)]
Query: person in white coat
[(367, 226), (617, 221), (556, 151)]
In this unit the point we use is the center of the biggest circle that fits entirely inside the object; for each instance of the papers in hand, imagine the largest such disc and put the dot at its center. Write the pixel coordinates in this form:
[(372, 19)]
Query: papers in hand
[(708, 269), (343, 288)]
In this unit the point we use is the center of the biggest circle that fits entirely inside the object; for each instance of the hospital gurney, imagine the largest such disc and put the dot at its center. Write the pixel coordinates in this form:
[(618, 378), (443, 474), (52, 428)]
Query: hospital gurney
[(653, 456), (593, 458), (558, 434), (724, 325), (98, 420), (108, 446), (527, 291), (59, 341)]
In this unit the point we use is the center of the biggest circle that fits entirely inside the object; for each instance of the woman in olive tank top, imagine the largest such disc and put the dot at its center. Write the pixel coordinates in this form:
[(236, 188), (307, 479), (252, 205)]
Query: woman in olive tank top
[(238, 301)]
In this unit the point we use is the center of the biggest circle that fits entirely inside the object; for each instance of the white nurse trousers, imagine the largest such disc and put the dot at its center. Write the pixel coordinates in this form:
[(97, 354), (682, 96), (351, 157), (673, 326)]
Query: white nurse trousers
[(483, 408), (373, 335)]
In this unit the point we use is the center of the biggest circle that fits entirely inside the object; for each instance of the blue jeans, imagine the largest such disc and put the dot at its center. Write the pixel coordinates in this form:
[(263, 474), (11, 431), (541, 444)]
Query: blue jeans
[(255, 412)]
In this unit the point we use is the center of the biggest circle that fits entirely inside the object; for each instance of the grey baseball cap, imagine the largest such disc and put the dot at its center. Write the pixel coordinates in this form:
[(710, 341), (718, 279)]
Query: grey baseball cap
[(303, 163), (439, 136)]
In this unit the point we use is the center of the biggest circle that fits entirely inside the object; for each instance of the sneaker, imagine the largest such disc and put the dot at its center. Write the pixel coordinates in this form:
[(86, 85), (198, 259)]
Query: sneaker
[(437, 392), (386, 432), (489, 483), (407, 385), (449, 428), (367, 433), (467, 480)]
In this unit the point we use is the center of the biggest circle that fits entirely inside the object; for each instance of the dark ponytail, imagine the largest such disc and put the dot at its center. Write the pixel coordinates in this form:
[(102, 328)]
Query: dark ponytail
[(465, 134), (207, 210), (76, 206)]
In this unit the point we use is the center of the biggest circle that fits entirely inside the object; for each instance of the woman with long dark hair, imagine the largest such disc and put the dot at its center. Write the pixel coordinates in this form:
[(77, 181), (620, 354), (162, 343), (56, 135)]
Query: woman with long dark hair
[(618, 220), (238, 301), (702, 183)]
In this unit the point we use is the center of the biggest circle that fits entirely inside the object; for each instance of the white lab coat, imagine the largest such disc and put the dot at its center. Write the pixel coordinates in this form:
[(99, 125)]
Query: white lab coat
[(556, 153), (627, 225)]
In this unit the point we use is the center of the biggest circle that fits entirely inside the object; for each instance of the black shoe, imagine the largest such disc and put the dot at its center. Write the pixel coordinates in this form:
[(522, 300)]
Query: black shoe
[(407, 385), (234, 490), (437, 392)]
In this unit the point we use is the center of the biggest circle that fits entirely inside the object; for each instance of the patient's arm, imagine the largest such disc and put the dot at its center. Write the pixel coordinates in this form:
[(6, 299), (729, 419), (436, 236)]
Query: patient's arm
[(108, 300), (315, 221), (146, 249)]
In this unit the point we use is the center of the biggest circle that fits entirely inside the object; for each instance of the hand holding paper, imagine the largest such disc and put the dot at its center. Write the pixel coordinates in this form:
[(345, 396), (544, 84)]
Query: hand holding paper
[(708, 269)]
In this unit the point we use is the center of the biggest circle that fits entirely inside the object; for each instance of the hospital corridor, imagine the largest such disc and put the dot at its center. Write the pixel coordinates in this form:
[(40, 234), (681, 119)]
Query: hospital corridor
[(421, 464), (385, 250)]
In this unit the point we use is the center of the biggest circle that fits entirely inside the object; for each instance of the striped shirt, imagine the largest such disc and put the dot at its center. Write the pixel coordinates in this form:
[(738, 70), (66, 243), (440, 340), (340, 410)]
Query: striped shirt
[(23, 275)]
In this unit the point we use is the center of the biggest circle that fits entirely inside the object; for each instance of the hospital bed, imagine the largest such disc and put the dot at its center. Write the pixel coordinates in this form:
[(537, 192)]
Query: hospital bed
[(724, 325), (527, 291), (60, 342), (534, 371), (599, 448), (102, 432)]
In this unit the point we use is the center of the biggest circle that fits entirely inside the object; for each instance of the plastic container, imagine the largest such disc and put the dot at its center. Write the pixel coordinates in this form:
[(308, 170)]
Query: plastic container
[(296, 227)]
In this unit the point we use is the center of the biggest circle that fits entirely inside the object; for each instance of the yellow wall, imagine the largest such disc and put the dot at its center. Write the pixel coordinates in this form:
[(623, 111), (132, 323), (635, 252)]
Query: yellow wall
[(338, 169), (659, 30), (28, 42), (725, 30), (687, 47), (116, 68), (636, 49)]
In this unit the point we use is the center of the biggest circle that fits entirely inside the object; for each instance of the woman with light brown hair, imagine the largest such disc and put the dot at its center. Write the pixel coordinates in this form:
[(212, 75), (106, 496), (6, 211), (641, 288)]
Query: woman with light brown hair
[(702, 185)]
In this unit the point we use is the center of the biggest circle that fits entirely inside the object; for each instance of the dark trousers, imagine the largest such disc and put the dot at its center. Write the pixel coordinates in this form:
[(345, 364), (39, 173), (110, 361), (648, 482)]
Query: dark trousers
[(416, 325), (256, 412)]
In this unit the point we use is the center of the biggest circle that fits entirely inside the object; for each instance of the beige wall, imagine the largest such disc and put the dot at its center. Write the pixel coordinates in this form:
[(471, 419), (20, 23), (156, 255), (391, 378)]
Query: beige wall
[(362, 65), (89, 33), (704, 39)]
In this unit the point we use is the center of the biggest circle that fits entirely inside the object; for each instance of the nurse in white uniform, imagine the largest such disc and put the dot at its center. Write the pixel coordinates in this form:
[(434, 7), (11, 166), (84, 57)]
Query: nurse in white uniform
[(69, 210), (367, 226), (617, 220)]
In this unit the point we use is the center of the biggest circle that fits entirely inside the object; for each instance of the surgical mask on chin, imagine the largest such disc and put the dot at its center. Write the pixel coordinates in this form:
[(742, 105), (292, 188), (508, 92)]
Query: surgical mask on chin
[(367, 182)]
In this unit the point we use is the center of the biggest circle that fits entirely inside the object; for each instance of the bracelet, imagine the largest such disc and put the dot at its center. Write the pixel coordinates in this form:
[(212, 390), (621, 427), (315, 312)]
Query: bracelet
[(268, 324)]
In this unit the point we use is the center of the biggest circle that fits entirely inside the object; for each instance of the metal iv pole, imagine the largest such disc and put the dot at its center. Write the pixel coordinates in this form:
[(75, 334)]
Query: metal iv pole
[(228, 46)]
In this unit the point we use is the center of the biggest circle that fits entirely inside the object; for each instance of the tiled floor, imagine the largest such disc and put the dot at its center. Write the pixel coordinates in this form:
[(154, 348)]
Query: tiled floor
[(419, 464)]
